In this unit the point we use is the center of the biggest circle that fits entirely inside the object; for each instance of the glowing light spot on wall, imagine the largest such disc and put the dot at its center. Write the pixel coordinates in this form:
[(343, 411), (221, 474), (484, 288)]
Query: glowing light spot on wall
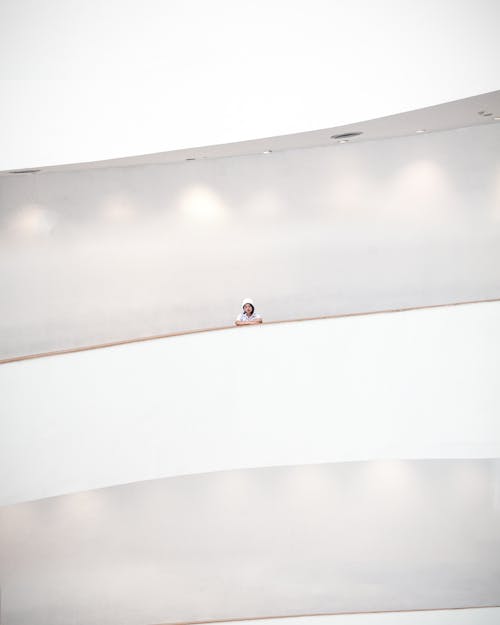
[(233, 488), (310, 482), (420, 189), (392, 475), (349, 192), (118, 209), (201, 204), (33, 219), (86, 507)]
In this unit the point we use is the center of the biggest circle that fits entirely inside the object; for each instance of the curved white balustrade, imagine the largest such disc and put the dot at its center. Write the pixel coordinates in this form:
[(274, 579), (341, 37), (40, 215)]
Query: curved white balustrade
[(418, 384)]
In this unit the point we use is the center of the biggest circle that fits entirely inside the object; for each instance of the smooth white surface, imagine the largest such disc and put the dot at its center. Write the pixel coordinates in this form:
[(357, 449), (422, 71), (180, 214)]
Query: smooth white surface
[(482, 616), (97, 256), (419, 384), (330, 538), (84, 81)]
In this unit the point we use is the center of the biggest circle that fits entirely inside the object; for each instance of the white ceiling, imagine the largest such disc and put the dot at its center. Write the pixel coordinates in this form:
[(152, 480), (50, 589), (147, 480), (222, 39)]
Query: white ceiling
[(89, 81), (474, 111)]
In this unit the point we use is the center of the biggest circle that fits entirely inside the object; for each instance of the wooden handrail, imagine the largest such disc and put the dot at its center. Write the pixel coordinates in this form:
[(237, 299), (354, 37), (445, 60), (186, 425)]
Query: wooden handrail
[(283, 616), (72, 350)]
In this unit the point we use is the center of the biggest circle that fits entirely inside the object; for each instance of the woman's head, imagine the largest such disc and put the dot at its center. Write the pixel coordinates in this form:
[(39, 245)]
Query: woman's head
[(248, 306)]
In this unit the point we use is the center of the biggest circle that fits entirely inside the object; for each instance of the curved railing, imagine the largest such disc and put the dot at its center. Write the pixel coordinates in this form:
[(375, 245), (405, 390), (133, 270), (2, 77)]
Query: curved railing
[(72, 350), (479, 615)]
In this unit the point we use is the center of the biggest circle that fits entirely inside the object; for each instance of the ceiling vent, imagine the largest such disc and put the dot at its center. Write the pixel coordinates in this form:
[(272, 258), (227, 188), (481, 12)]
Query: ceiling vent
[(346, 135)]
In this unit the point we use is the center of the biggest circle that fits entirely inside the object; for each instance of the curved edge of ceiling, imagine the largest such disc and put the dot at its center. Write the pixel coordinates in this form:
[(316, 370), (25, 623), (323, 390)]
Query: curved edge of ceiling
[(223, 141), (76, 89)]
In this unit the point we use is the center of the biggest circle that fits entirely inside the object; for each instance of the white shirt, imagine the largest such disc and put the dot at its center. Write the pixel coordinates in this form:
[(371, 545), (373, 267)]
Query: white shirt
[(244, 317)]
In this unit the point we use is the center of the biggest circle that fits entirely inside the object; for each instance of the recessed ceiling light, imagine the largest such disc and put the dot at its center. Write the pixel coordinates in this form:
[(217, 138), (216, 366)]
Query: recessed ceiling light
[(267, 152), (343, 141), (346, 135), (420, 130)]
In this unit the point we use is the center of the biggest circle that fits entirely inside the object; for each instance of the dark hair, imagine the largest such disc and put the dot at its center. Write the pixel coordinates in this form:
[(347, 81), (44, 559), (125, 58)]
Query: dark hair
[(253, 307)]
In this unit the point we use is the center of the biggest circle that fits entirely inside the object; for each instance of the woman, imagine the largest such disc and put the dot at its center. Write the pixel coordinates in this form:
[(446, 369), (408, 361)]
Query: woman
[(248, 317)]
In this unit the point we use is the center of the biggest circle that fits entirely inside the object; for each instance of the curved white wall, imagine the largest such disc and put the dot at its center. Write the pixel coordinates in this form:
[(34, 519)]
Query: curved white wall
[(419, 384), (84, 81), (95, 256), (321, 539)]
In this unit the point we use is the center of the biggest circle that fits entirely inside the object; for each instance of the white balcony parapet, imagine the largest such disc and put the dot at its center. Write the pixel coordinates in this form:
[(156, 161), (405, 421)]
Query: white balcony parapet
[(418, 384)]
